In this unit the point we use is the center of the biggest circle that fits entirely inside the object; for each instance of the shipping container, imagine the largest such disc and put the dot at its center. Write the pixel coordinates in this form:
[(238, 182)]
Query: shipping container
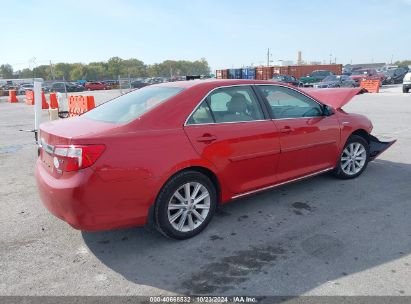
[(263, 73), (234, 73), (283, 70), (299, 71), (221, 74), (248, 73)]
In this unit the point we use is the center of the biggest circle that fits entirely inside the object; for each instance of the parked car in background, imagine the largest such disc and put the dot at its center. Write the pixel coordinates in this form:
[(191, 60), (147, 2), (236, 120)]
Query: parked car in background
[(315, 76), (336, 81), (24, 87), (7, 87), (396, 75), (46, 89), (406, 83), (365, 74), (155, 80), (138, 84), (62, 86), (286, 79), (94, 86), (112, 84), (171, 153)]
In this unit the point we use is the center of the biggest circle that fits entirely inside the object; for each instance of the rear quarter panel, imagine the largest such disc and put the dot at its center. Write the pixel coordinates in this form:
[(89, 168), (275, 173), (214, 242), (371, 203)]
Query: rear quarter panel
[(148, 158)]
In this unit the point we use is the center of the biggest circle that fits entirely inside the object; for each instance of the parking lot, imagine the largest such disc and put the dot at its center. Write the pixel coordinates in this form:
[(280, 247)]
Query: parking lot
[(321, 236)]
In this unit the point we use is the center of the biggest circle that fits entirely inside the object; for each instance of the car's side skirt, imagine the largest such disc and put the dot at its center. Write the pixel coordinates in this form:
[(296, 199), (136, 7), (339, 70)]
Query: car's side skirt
[(282, 183)]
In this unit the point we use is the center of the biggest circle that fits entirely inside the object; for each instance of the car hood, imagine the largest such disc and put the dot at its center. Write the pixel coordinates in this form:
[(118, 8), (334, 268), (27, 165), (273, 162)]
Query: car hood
[(335, 98)]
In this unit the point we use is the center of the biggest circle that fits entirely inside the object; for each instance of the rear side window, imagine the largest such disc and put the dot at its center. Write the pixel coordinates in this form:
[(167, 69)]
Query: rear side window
[(202, 115), (231, 104), (132, 105)]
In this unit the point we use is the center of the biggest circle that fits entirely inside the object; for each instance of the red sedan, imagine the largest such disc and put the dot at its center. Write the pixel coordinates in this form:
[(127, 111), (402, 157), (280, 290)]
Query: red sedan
[(171, 153), (94, 86)]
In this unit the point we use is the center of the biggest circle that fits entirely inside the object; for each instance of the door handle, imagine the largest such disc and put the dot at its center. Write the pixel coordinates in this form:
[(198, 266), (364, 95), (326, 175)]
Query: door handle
[(287, 129), (207, 138)]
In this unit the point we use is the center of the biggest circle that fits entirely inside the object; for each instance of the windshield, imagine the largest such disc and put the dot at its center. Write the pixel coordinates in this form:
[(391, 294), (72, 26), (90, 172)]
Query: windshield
[(331, 78), (132, 105)]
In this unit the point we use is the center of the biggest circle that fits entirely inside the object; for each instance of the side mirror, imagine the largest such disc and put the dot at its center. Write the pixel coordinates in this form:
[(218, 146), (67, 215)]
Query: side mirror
[(328, 111)]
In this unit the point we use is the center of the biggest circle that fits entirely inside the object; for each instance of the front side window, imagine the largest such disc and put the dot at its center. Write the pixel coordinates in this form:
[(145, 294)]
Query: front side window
[(288, 103), (132, 105), (231, 104)]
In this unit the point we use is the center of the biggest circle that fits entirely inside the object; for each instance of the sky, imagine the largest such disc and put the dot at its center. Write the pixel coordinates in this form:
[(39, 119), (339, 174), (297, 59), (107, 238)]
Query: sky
[(228, 33)]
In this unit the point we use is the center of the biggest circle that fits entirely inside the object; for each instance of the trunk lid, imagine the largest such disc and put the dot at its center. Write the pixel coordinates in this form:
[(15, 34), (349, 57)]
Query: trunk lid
[(334, 97), (62, 132)]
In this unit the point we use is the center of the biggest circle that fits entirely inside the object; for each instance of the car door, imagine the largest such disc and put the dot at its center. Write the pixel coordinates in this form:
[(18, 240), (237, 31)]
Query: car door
[(309, 140), (230, 129)]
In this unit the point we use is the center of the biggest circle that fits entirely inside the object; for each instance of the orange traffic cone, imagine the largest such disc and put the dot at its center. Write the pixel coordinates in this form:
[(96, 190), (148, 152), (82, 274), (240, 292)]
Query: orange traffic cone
[(44, 104), (53, 101), (12, 96)]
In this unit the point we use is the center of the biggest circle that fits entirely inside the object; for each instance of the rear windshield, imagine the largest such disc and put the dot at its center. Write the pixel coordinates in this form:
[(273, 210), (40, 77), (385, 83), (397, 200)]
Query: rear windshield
[(132, 105)]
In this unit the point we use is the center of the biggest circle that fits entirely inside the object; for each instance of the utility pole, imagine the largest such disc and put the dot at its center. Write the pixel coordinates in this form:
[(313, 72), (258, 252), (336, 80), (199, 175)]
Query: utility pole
[(268, 57), (51, 71)]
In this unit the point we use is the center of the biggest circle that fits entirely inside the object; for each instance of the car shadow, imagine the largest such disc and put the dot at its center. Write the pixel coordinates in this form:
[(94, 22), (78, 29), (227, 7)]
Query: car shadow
[(285, 241)]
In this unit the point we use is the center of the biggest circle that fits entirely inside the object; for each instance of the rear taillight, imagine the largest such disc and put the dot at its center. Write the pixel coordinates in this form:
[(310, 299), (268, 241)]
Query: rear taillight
[(76, 157)]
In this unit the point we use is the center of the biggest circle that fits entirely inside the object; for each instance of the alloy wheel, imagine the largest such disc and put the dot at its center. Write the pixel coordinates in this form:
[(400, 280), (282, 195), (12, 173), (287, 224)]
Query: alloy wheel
[(353, 158), (189, 206)]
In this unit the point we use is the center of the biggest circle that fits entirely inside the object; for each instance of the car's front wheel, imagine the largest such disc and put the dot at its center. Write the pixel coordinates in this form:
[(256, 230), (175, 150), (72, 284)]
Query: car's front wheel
[(353, 159), (185, 205)]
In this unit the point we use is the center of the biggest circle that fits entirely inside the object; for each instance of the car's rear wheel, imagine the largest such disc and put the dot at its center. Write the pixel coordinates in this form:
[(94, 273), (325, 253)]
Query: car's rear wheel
[(353, 159), (405, 90), (185, 205)]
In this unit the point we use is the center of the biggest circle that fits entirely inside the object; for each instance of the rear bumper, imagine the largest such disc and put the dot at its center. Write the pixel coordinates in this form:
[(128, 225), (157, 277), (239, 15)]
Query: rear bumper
[(406, 85), (86, 202), (377, 146)]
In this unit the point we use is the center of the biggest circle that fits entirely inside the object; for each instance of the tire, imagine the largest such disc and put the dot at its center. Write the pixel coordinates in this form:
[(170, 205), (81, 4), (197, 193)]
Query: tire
[(405, 90), (177, 218), (349, 165)]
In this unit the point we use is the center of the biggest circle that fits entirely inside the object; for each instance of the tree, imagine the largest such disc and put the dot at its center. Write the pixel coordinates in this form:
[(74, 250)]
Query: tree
[(133, 67), (42, 71), (114, 65), (96, 71), (111, 69), (25, 73), (403, 63), (62, 70), (6, 71), (78, 71)]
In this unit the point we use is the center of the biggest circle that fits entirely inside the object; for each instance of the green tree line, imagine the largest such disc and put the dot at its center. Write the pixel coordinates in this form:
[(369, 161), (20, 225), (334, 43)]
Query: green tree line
[(403, 63), (110, 69)]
